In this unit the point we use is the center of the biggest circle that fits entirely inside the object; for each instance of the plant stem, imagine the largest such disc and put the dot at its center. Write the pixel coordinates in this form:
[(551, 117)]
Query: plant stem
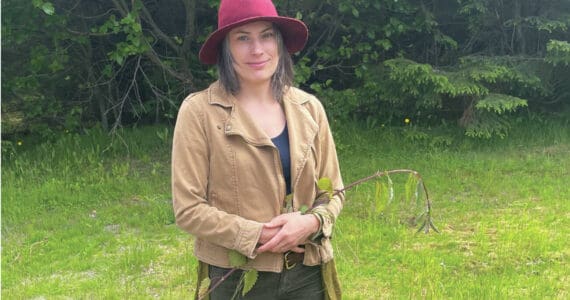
[(377, 175), (215, 285), (428, 223)]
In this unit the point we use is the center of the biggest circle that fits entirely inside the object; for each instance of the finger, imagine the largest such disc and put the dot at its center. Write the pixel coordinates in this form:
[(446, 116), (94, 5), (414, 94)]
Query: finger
[(298, 249), (273, 224), (276, 222), (270, 246), (281, 242)]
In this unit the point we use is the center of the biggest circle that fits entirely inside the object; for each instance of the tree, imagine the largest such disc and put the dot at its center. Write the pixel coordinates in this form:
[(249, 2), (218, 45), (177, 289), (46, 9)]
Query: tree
[(103, 61), (69, 64), (469, 61)]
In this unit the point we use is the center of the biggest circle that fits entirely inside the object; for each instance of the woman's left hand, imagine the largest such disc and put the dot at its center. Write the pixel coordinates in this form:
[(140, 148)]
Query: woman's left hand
[(295, 230)]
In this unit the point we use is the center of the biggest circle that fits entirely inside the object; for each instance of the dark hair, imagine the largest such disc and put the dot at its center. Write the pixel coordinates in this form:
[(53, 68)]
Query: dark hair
[(280, 81)]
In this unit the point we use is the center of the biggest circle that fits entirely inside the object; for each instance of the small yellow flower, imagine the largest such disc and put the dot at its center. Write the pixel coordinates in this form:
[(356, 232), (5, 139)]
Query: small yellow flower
[(407, 120), (19, 143)]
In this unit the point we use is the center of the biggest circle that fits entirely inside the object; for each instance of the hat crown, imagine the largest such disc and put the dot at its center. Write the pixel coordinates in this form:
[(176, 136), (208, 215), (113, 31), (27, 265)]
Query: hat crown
[(233, 11)]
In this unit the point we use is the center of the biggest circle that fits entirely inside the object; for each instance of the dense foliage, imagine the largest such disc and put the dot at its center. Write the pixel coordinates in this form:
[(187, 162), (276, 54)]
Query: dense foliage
[(71, 64)]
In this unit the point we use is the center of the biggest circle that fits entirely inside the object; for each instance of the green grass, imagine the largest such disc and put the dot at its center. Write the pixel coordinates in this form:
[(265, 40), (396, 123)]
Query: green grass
[(90, 217)]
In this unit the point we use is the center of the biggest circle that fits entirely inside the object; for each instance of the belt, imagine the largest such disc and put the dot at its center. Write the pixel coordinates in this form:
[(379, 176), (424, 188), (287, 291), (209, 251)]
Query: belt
[(292, 259)]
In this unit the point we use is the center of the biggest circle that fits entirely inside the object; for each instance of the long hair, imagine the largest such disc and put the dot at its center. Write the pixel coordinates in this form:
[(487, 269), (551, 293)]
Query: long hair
[(280, 80)]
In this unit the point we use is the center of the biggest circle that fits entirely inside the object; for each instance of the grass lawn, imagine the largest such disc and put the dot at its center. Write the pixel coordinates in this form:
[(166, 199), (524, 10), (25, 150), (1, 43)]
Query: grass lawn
[(90, 217)]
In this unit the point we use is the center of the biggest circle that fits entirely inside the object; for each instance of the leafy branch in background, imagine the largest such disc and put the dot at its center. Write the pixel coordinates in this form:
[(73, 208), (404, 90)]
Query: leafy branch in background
[(414, 187)]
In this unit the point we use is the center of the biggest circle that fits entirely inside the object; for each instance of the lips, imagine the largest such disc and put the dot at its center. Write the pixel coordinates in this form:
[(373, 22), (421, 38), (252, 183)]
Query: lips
[(257, 65)]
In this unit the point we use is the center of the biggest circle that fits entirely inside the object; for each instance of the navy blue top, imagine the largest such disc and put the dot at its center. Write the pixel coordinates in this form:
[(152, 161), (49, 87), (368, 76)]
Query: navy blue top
[(282, 143)]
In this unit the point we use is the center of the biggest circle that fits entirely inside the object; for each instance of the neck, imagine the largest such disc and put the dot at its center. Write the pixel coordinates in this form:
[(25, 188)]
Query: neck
[(255, 93)]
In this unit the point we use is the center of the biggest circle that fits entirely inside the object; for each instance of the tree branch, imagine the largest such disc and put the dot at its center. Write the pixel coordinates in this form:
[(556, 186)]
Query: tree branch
[(157, 31), (190, 6), (151, 54), (121, 6)]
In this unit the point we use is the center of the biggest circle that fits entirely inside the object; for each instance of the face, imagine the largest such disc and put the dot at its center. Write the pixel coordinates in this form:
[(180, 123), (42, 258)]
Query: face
[(254, 51)]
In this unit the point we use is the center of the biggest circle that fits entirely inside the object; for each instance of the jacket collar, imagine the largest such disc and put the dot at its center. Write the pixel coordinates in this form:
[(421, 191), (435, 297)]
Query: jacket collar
[(302, 126), (217, 95), (238, 122)]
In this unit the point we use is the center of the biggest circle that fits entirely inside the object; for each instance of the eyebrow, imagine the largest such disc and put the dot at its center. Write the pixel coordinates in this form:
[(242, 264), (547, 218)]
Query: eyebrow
[(247, 32)]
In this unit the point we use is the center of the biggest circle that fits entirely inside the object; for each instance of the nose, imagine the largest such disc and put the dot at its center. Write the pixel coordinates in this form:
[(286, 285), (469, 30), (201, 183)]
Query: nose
[(256, 46)]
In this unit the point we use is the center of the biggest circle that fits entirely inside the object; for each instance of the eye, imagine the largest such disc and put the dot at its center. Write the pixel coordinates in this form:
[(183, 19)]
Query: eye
[(268, 35), (242, 38)]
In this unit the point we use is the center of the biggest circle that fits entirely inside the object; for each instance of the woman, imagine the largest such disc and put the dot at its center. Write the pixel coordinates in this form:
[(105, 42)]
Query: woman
[(241, 146)]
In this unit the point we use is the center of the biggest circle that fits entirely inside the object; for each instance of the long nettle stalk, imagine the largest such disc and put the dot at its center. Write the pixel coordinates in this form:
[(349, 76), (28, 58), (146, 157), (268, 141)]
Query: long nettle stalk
[(414, 185)]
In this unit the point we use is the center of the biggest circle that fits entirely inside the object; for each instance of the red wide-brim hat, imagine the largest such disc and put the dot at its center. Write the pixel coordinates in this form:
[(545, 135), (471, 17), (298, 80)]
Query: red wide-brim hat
[(234, 13)]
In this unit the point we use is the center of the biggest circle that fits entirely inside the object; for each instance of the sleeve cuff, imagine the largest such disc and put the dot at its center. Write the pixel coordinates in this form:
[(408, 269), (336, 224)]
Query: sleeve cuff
[(319, 233), (326, 219), (247, 238)]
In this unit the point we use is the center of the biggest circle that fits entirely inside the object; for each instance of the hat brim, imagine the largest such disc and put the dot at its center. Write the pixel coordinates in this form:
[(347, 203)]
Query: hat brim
[(294, 32)]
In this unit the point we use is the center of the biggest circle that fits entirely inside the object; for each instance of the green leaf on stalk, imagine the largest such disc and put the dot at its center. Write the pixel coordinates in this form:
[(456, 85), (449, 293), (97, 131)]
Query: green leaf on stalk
[(204, 287), (250, 278), (411, 187), (237, 259), (379, 204), (288, 204), (390, 188), (325, 184), (419, 190), (378, 191)]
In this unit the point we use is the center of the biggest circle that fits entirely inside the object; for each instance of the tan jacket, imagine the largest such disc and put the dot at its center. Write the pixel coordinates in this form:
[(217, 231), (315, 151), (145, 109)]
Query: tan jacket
[(227, 176)]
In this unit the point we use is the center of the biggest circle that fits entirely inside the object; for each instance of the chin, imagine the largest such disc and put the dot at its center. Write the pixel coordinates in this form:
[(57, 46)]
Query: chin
[(258, 79)]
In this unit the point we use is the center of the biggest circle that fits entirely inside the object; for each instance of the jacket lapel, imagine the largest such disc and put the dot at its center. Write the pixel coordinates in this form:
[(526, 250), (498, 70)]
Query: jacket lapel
[(302, 132), (239, 122)]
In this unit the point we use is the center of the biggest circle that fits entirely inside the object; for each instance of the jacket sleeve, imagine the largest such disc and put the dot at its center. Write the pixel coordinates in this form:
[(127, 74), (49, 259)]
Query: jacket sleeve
[(190, 173), (328, 166)]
